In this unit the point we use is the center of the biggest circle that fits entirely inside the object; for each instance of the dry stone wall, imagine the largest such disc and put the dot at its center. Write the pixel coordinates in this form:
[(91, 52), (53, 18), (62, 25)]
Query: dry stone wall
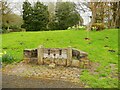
[(59, 56)]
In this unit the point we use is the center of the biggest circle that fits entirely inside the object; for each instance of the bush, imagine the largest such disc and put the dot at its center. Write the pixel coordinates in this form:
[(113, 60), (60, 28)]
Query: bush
[(98, 26), (81, 27), (7, 58), (1, 31), (4, 31), (15, 28)]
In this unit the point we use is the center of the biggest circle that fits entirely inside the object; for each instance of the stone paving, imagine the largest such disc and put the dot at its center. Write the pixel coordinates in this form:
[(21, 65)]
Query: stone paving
[(45, 72)]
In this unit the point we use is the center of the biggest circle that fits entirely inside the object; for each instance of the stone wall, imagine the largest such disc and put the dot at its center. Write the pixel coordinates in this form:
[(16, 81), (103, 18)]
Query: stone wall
[(59, 56)]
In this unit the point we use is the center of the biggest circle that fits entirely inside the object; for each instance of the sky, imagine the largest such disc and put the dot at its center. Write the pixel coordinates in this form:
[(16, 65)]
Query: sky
[(85, 15)]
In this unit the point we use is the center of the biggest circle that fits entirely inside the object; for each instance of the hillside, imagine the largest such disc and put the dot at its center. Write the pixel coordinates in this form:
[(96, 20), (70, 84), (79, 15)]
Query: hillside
[(102, 49)]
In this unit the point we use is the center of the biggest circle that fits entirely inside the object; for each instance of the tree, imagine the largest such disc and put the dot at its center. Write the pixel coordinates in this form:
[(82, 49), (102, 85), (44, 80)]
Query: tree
[(115, 6), (105, 13), (16, 21), (51, 9), (118, 16), (92, 6), (5, 7), (66, 15), (40, 16), (27, 15), (9, 19), (35, 18), (6, 11), (17, 7)]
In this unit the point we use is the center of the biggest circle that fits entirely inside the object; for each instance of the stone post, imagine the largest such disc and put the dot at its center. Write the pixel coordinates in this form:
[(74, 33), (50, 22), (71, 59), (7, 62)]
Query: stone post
[(40, 54), (69, 56)]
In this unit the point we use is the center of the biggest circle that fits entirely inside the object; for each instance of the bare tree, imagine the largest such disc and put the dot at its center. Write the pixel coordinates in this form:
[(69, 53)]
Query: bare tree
[(5, 13), (18, 7), (9, 18)]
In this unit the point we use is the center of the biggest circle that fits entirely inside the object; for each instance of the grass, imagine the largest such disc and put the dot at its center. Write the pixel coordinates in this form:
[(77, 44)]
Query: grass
[(102, 49)]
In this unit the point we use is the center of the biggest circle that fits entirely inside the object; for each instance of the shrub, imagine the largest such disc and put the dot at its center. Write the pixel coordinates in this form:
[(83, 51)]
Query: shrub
[(15, 28), (77, 28), (4, 31), (98, 26), (7, 58), (69, 28), (81, 27), (12, 28), (1, 31)]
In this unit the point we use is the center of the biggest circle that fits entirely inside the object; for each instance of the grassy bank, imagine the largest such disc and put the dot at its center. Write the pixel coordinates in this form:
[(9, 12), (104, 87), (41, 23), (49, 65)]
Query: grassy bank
[(102, 49)]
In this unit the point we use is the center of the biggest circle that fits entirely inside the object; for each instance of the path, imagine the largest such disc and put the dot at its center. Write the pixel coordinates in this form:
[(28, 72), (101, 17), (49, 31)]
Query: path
[(40, 76), (11, 81)]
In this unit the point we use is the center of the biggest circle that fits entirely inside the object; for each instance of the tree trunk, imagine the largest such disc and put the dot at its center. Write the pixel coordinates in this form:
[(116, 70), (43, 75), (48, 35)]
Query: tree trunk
[(8, 28), (92, 21), (118, 16), (114, 15), (93, 9)]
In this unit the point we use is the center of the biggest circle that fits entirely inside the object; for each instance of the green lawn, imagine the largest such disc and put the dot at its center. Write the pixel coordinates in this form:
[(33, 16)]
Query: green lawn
[(104, 75)]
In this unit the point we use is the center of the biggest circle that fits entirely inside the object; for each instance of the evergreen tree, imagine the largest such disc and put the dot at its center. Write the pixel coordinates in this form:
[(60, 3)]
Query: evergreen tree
[(40, 16), (27, 15), (66, 15), (35, 18)]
